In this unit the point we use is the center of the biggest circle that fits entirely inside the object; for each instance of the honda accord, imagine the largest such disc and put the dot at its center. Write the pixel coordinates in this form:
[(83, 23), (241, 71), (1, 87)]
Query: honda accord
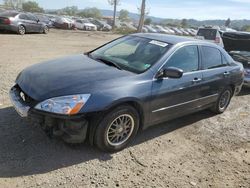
[(108, 94)]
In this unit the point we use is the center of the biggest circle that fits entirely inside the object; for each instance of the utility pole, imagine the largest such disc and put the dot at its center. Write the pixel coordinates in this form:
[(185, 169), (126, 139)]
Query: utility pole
[(142, 17)]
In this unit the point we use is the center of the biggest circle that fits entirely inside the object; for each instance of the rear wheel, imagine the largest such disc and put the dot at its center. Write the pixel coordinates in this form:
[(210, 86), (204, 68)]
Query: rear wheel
[(21, 30), (45, 30), (223, 101), (117, 129)]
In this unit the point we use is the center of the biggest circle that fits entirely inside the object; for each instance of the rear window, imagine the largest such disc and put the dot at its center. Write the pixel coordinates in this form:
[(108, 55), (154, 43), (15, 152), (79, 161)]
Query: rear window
[(208, 34), (211, 58), (8, 14)]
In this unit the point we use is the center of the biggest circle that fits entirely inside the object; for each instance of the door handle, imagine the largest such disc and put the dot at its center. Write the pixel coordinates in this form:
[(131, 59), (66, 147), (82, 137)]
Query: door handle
[(196, 80), (226, 73)]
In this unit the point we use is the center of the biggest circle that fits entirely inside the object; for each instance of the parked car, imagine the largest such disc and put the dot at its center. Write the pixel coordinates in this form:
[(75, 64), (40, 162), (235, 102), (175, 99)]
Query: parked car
[(210, 34), (186, 33), (237, 44), (177, 31), (244, 58), (84, 24), (150, 29), (22, 23), (108, 94), (170, 31), (64, 23), (128, 25), (161, 29), (101, 25)]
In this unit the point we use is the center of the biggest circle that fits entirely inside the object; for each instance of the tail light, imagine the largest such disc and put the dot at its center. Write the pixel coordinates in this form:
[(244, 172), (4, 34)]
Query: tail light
[(217, 40), (7, 21)]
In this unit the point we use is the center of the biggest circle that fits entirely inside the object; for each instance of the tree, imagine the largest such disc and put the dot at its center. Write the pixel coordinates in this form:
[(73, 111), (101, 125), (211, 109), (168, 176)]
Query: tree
[(71, 11), (15, 4), (90, 13), (124, 15), (228, 22), (184, 23), (246, 28), (142, 17), (114, 3), (32, 6), (148, 21)]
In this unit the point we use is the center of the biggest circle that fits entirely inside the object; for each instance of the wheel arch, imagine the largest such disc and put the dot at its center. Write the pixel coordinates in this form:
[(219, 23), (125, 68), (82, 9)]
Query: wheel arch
[(97, 117)]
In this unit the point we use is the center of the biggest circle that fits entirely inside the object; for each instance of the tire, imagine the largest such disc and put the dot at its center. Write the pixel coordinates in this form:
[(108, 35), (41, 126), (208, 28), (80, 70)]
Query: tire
[(223, 101), (21, 30), (45, 30), (117, 129)]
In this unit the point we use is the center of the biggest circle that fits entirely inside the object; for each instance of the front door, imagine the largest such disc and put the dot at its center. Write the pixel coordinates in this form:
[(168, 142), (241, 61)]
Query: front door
[(175, 97)]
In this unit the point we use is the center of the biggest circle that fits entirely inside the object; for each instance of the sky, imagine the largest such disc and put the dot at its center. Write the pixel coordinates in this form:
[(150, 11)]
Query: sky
[(197, 9)]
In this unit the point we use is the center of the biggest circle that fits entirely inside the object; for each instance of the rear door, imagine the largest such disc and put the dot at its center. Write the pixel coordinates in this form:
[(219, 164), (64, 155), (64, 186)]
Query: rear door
[(24, 19), (216, 73), (175, 97)]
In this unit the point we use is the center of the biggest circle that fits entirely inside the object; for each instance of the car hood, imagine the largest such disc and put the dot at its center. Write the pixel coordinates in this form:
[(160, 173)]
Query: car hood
[(67, 76)]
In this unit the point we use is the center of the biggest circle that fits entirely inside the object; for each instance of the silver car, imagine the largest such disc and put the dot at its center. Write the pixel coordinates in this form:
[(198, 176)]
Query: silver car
[(22, 23)]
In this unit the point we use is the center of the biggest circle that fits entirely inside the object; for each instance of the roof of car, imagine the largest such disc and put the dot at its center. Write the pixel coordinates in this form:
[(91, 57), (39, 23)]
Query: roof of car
[(165, 38)]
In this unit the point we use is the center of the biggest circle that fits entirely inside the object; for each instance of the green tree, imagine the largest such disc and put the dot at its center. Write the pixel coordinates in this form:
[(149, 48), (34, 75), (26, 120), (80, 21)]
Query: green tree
[(115, 4), (148, 21), (124, 15), (15, 4), (70, 11), (184, 23), (90, 13), (32, 6), (246, 28)]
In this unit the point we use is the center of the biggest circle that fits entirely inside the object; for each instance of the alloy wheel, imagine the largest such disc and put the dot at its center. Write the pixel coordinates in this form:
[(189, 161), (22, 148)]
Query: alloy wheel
[(120, 130)]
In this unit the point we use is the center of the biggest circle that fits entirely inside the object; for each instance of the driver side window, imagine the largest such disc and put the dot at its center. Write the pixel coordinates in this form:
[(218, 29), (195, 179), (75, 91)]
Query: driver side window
[(186, 58)]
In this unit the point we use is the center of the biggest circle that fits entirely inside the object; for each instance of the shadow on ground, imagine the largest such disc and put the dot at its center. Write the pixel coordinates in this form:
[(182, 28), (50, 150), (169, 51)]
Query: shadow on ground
[(244, 91), (26, 150)]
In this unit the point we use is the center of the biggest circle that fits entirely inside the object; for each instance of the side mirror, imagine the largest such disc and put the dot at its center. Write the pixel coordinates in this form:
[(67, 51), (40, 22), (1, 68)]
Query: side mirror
[(38, 20), (170, 72)]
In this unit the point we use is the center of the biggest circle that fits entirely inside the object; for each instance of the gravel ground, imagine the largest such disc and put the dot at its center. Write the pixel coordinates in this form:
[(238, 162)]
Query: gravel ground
[(199, 150)]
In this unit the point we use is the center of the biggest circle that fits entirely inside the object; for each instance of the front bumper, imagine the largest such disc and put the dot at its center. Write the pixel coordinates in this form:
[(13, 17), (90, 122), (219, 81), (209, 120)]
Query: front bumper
[(72, 129), (17, 101)]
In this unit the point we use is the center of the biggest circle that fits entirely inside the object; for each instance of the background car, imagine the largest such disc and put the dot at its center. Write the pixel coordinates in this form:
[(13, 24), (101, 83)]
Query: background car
[(244, 58), (22, 23), (101, 25), (64, 23), (210, 34), (84, 24)]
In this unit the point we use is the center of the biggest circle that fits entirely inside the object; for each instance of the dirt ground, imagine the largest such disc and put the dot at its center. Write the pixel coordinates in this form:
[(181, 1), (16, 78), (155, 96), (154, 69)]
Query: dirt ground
[(199, 150)]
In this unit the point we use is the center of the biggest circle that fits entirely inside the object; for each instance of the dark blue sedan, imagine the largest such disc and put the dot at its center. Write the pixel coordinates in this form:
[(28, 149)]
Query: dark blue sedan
[(136, 81)]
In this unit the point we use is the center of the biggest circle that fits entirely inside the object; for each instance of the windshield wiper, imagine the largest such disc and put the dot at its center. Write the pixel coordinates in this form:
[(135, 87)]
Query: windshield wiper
[(109, 63)]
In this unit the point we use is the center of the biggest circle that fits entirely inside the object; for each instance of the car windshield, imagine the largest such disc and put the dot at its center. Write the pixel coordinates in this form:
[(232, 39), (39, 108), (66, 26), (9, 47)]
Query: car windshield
[(208, 34), (8, 14), (131, 53)]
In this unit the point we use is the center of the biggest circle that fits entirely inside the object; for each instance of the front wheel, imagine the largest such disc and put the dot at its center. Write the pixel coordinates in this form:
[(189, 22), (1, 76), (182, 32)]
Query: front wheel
[(117, 129), (223, 101)]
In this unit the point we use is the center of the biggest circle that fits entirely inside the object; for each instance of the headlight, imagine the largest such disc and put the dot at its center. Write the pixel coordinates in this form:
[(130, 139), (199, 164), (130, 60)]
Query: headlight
[(67, 105)]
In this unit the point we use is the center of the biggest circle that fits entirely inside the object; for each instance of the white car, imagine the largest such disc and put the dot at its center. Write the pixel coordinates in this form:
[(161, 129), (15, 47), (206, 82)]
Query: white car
[(85, 25), (210, 34)]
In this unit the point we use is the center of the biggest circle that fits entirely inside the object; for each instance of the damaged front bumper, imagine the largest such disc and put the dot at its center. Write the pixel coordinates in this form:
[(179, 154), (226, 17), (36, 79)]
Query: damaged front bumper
[(72, 129)]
